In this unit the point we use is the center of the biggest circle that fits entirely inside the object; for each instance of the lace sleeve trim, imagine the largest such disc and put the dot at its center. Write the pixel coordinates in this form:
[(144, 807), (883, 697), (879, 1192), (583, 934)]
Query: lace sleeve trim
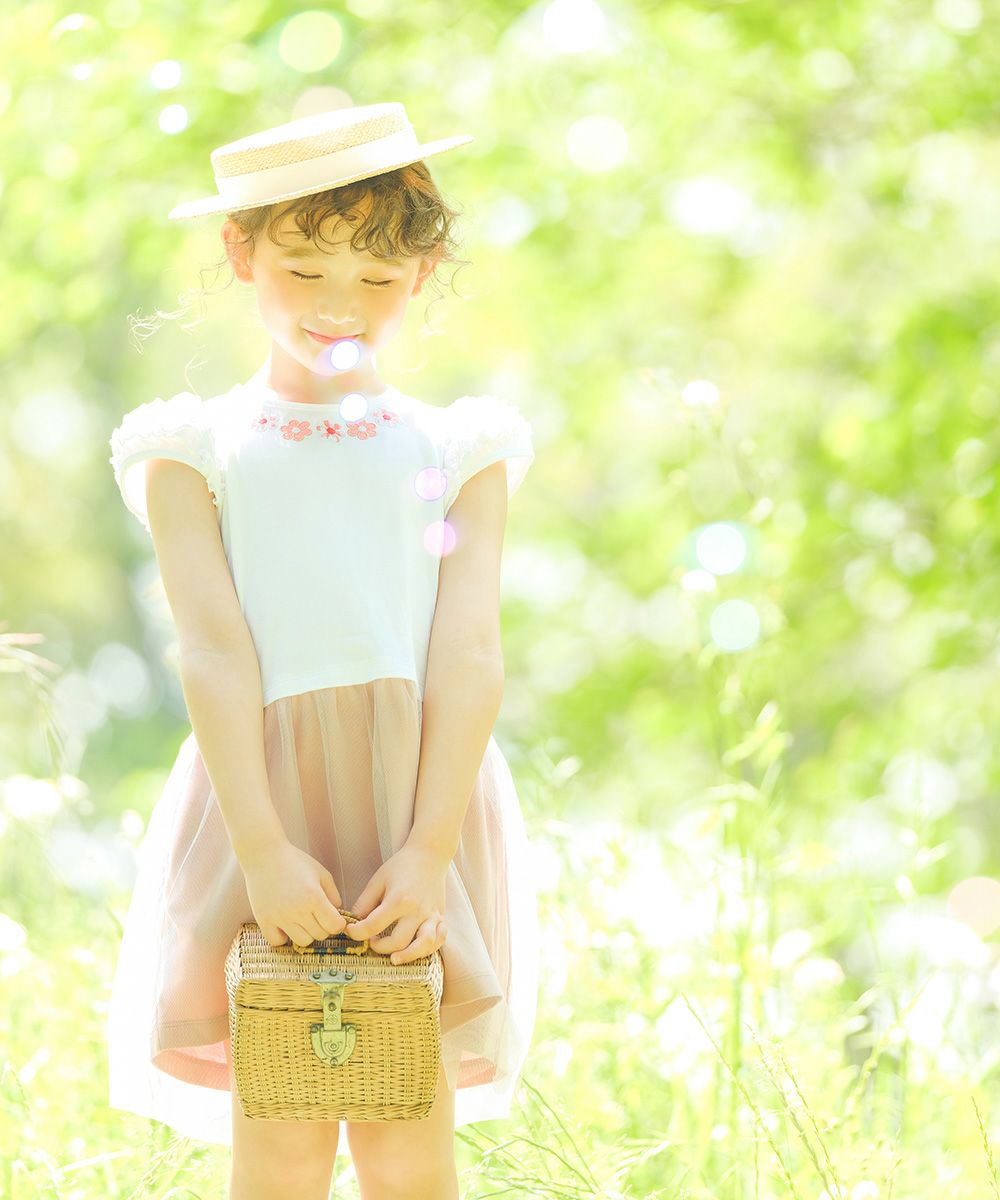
[(171, 428), (484, 429)]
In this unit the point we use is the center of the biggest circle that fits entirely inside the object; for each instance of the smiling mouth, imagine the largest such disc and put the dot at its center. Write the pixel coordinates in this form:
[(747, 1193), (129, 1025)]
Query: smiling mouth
[(344, 337)]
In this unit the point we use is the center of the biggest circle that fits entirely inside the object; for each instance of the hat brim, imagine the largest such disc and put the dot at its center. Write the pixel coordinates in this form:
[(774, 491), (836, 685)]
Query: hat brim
[(218, 204)]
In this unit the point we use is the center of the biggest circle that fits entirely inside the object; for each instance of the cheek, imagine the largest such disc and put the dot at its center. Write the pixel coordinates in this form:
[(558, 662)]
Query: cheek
[(393, 301), (286, 294)]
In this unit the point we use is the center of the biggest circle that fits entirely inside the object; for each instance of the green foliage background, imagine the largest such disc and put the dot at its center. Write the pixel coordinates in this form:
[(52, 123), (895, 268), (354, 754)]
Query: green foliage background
[(789, 836)]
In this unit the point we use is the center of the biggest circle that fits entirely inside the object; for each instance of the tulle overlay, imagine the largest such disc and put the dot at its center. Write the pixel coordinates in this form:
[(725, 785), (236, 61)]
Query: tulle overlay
[(342, 766)]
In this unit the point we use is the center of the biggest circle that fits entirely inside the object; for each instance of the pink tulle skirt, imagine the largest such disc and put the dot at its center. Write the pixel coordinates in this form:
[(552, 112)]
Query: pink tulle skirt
[(342, 765)]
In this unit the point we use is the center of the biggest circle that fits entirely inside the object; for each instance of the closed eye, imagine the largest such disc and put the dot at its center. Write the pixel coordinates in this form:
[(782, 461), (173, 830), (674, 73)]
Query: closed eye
[(373, 282)]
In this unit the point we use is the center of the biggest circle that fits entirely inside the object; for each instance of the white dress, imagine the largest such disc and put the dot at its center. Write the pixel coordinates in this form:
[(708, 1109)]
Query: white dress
[(300, 493)]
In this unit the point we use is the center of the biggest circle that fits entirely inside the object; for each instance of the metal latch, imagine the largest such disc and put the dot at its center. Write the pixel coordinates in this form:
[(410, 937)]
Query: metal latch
[(332, 1041)]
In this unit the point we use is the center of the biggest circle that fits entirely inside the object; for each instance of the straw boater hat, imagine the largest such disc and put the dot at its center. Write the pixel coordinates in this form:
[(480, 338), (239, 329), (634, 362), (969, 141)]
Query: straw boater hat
[(309, 155)]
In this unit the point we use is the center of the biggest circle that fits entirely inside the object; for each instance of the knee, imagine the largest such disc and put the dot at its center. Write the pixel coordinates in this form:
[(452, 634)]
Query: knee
[(407, 1177), (306, 1178)]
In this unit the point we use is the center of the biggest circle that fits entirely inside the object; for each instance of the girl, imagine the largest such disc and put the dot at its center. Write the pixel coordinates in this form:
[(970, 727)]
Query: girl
[(330, 551)]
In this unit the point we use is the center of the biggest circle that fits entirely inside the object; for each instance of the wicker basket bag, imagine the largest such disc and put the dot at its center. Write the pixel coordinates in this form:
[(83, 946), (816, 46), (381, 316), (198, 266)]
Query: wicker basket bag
[(333, 1030)]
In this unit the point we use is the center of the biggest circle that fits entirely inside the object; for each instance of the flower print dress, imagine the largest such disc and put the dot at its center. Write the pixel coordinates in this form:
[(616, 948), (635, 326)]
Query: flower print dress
[(333, 527)]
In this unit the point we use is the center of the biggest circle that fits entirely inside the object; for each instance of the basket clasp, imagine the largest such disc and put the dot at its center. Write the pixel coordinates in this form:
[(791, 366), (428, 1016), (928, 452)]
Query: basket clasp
[(332, 1041)]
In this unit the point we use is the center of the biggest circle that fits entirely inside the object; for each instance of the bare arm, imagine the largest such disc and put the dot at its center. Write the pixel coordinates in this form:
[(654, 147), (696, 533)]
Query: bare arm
[(220, 673), (465, 674)]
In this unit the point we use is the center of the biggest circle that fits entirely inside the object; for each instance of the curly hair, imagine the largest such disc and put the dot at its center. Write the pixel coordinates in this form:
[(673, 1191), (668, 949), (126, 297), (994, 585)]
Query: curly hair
[(408, 218)]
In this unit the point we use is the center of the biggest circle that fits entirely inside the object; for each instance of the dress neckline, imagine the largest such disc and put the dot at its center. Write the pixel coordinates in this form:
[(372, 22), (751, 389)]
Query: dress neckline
[(256, 386)]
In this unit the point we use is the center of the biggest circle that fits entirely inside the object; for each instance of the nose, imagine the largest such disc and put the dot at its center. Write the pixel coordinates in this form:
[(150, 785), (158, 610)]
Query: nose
[(337, 313)]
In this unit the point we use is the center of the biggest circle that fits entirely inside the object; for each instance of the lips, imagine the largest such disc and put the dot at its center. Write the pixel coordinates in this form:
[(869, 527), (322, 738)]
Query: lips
[(321, 337)]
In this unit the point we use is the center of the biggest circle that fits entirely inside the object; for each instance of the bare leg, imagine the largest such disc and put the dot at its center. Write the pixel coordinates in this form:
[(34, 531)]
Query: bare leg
[(408, 1160), (276, 1160)]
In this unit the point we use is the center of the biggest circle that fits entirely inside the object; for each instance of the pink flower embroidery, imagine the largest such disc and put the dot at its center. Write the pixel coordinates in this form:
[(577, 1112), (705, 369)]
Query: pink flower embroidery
[(296, 430), (329, 430)]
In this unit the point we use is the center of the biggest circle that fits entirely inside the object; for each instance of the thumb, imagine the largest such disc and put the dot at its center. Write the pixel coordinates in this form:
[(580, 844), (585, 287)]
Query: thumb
[(330, 890), (368, 901)]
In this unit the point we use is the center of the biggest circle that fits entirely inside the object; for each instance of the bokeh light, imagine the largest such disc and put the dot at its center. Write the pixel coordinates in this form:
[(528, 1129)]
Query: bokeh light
[(734, 625), (310, 40), (353, 406), (597, 143), (343, 355), (173, 118), (430, 483), (166, 74), (440, 538), (573, 26), (700, 393), (976, 903), (721, 548)]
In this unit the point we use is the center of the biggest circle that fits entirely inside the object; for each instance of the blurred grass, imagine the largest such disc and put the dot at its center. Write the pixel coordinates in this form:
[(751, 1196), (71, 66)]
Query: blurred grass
[(750, 583)]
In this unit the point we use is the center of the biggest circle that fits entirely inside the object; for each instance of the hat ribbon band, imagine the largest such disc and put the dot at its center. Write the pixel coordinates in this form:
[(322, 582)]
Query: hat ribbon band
[(255, 186)]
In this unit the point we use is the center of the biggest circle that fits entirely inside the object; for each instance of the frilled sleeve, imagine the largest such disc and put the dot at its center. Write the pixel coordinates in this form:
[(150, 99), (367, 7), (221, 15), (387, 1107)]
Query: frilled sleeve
[(481, 430), (173, 428)]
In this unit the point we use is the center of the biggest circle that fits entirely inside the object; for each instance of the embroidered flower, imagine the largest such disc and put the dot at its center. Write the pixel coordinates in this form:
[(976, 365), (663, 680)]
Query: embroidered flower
[(296, 430), (329, 430)]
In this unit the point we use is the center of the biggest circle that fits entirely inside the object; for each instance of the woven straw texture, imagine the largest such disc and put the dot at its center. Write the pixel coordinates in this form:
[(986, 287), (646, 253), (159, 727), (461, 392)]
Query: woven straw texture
[(270, 151), (391, 1070)]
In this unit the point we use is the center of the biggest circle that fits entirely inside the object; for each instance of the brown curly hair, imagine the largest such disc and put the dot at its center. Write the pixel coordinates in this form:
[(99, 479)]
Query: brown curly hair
[(408, 218)]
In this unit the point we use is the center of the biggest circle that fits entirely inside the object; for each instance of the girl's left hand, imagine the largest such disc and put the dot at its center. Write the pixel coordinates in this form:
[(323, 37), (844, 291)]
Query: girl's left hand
[(407, 888)]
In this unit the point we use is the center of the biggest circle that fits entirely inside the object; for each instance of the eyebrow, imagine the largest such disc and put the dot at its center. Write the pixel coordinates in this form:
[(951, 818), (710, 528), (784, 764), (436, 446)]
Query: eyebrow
[(309, 251)]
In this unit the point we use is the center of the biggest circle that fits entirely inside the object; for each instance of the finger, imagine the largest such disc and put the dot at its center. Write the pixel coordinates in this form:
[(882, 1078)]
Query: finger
[(299, 934), (419, 948), (359, 927), (401, 936), (330, 888), (377, 920), (366, 904), (426, 942), (328, 924), (341, 922)]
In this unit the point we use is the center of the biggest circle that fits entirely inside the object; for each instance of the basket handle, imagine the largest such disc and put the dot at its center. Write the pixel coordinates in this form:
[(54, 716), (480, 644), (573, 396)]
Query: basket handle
[(354, 947)]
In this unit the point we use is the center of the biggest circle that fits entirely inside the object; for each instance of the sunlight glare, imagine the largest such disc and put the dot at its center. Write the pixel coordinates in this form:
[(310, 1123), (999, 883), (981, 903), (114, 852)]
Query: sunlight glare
[(430, 483), (30, 799), (173, 118), (734, 625), (709, 205), (353, 406), (597, 143), (310, 40), (572, 26), (976, 902), (721, 548), (165, 74), (700, 393)]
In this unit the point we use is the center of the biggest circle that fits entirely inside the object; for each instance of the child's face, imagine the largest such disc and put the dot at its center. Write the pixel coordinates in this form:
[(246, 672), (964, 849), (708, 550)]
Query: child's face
[(343, 293)]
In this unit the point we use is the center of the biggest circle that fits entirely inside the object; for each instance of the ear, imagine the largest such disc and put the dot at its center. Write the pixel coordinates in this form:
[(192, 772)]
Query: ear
[(427, 265), (237, 250)]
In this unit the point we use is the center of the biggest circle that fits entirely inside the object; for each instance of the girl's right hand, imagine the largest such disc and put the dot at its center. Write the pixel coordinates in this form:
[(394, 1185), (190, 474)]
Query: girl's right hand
[(292, 896)]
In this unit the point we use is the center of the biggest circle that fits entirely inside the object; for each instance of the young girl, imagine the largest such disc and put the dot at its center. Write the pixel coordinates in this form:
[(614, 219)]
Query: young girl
[(330, 550)]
